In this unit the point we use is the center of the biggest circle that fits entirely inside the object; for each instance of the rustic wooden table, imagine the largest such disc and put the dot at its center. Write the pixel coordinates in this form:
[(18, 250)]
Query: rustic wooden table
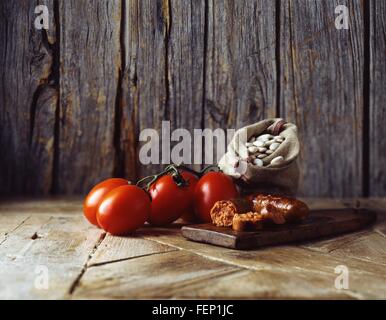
[(48, 251)]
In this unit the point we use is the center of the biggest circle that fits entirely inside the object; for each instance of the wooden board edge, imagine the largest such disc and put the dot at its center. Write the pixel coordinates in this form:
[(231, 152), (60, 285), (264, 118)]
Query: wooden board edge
[(195, 233)]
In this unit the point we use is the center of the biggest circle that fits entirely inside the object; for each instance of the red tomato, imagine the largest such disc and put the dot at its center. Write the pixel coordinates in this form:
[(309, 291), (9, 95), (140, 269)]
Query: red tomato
[(189, 215), (123, 210), (95, 197), (170, 201), (212, 187)]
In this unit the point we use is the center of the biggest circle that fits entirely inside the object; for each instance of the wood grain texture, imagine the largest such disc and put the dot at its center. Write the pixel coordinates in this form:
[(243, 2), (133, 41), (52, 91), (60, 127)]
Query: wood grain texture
[(75, 98), (160, 263), (89, 77), (376, 204), (330, 244), (322, 92), (366, 246), (380, 205), (265, 284), (302, 272), (151, 276), (240, 63), (152, 28), (113, 249), (163, 76), (127, 129), (9, 223), (300, 283), (377, 109), (59, 247), (185, 72), (38, 205), (319, 224), (28, 99), (240, 85)]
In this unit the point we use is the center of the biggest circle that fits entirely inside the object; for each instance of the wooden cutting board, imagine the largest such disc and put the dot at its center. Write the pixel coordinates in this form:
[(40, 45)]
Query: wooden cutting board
[(320, 223)]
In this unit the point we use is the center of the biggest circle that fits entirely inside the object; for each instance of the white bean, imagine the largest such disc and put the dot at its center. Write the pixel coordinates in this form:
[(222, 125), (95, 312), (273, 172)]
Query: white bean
[(274, 146), (268, 143), (258, 143), (258, 162), (266, 136), (252, 149), (278, 160)]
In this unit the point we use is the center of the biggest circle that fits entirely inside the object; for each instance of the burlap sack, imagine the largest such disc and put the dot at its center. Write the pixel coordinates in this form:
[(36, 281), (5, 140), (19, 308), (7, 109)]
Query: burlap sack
[(275, 179)]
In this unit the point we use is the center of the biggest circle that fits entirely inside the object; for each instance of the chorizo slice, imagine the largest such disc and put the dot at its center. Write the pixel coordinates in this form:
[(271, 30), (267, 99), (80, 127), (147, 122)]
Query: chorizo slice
[(249, 221), (222, 212)]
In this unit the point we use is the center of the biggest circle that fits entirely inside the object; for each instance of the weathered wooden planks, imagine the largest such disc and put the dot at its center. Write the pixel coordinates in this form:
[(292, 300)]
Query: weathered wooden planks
[(319, 224), (185, 72), (367, 246), (152, 26), (49, 205), (163, 76), (160, 263), (377, 109), (9, 223), (265, 284), (295, 257), (240, 73), (149, 276), (123, 66), (126, 122), (321, 83), (283, 271), (240, 63), (113, 249), (28, 100), (300, 283), (89, 78), (57, 247)]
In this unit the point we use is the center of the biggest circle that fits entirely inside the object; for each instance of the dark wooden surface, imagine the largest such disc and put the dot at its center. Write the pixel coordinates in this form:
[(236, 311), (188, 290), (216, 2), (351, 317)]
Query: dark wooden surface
[(28, 99), (50, 239), (89, 78), (320, 223), (75, 98), (321, 80), (240, 69), (377, 105)]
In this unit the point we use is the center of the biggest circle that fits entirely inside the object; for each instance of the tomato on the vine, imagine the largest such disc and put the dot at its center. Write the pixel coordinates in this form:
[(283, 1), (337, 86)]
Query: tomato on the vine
[(123, 210), (95, 197), (212, 187), (169, 199)]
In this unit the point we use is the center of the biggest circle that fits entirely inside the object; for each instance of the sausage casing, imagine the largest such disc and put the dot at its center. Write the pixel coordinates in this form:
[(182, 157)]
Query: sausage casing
[(280, 209)]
